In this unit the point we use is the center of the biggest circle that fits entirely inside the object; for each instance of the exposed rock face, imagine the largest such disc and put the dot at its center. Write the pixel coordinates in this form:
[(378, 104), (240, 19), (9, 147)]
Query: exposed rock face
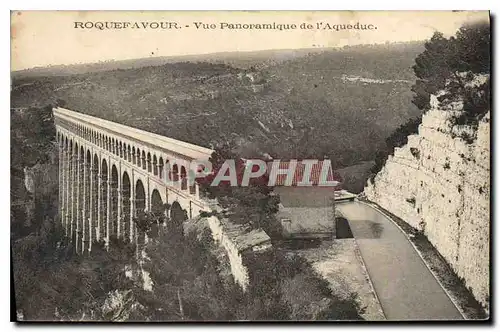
[(440, 184), (29, 180), (119, 305)]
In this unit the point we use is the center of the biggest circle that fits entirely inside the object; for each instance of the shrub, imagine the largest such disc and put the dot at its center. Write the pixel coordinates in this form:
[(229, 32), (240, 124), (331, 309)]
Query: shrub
[(441, 67), (285, 286), (412, 201), (254, 205), (415, 152), (397, 139)]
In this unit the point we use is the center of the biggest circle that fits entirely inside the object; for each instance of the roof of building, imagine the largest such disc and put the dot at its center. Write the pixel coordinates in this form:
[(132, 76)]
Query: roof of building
[(305, 196), (315, 177)]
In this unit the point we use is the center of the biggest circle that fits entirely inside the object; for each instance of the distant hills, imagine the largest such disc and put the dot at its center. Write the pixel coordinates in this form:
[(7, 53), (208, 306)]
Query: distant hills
[(237, 59), (335, 103)]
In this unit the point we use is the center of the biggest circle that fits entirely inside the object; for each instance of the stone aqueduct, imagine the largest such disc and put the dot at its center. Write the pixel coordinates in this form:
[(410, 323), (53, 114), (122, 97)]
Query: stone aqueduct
[(108, 173)]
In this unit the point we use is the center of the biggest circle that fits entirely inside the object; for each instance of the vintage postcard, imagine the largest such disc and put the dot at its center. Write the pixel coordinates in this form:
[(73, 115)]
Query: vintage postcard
[(250, 166)]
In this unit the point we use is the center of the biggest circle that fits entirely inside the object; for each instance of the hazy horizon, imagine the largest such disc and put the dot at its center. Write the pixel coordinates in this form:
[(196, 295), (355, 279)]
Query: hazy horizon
[(312, 49)]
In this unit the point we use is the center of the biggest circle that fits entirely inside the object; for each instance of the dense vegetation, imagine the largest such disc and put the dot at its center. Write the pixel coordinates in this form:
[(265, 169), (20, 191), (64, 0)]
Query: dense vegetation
[(397, 139), (189, 283), (186, 269), (452, 63), (453, 66), (32, 148), (253, 205)]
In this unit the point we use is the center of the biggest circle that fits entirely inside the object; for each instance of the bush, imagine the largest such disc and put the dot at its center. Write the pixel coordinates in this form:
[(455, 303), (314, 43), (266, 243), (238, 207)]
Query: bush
[(397, 139), (254, 205), (442, 67), (285, 286)]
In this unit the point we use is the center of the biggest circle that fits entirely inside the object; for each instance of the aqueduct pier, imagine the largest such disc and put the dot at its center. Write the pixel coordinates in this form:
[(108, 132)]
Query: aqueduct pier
[(109, 172)]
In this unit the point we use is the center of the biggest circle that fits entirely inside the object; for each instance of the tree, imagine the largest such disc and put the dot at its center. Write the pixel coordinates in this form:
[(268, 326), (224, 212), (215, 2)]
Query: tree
[(452, 64), (32, 136), (186, 280), (67, 286), (254, 205), (397, 139), (32, 149), (61, 102), (284, 286), (448, 67)]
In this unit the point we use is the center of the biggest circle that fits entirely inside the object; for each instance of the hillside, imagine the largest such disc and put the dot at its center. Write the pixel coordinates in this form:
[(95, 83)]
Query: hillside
[(337, 103), (237, 59)]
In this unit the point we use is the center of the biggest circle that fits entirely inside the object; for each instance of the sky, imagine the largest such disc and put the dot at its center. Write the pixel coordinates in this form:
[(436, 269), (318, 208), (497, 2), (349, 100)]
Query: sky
[(42, 38)]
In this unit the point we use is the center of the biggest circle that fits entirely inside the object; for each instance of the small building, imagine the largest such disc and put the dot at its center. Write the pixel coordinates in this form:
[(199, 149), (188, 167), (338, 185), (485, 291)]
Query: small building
[(307, 212), (300, 222)]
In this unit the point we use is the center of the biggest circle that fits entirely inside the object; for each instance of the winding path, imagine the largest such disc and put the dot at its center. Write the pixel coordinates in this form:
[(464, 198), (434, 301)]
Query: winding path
[(407, 290)]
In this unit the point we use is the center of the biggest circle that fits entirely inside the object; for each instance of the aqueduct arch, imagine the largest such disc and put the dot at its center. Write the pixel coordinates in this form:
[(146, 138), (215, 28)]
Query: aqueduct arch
[(156, 202), (126, 205), (108, 172)]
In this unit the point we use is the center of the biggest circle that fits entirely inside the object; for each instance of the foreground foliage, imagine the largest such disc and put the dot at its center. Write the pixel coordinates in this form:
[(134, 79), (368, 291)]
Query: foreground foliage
[(190, 282)]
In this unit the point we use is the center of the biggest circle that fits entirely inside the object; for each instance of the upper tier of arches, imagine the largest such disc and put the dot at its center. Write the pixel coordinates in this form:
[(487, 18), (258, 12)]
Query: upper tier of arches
[(158, 160)]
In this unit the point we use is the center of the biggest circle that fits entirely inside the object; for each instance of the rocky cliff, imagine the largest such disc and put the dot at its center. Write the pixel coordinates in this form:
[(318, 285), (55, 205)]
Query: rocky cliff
[(439, 183)]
